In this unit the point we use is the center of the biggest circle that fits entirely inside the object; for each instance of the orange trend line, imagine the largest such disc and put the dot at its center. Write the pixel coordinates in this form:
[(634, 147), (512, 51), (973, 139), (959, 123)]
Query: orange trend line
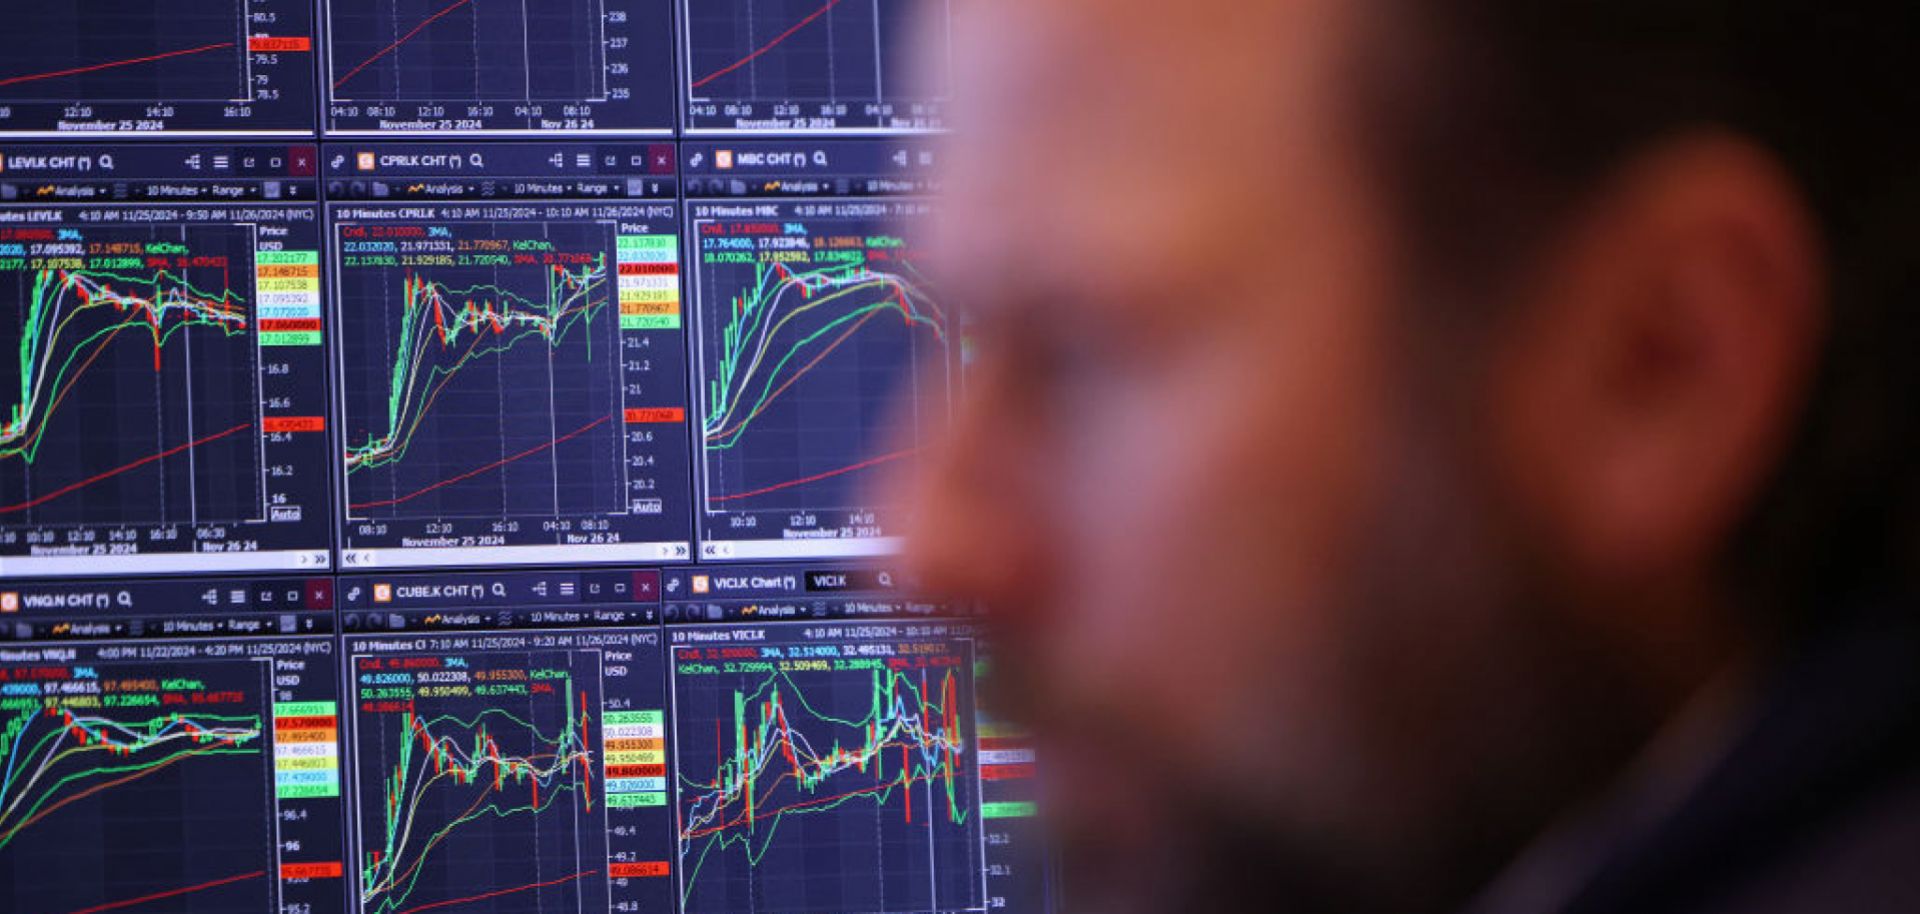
[(421, 858), (436, 17), (864, 464), (72, 379), (67, 490), (529, 452), (174, 893), (90, 791), (499, 892), (794, 378), (750, 58), (76, 71)]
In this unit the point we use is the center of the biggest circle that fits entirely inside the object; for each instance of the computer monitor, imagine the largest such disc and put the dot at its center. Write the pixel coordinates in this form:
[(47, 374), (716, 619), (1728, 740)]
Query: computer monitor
[(437, 457)]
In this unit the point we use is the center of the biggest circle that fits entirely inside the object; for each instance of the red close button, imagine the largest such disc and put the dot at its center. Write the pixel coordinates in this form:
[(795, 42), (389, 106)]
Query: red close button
[(320, 594), (303, 162)]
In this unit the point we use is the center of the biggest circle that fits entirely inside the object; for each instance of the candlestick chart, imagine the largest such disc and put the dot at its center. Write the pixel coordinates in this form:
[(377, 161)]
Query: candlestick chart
[(478, 782), (511, 384), (827, 777), (488, 382), (824, 357), (135, 395), (152, 781)]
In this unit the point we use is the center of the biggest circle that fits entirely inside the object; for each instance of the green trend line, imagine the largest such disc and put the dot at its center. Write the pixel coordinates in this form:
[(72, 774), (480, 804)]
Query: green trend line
[(73, 315), (78, 755), (734, 808), (782, 318), (444, 329), (429, 761)]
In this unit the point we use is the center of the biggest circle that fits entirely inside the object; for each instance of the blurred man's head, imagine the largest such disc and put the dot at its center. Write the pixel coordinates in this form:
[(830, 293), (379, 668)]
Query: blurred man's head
[(1388, 413)]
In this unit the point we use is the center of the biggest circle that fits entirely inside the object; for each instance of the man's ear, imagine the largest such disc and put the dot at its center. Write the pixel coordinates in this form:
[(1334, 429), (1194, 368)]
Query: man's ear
[(1650, 381)]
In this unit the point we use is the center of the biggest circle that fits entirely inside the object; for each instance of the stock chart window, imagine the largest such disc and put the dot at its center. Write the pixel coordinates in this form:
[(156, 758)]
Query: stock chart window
[(823, 357), (170, 746), (160, 309), (382, 533), (829, 754), (147, 66), (512, 364), (499, 66), (508, 743), (813, 66)]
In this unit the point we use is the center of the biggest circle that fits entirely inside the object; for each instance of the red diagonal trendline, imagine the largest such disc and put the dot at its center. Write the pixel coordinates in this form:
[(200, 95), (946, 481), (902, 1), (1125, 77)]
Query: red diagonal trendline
[(35, 503), (529, 452), (884, 458), (436, 17), (499, 892), (76, 71), (171, 893), (750, 58)]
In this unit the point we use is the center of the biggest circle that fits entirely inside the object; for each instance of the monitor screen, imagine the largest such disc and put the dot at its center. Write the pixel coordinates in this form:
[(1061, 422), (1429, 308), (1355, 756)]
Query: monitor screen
[(439, 457)]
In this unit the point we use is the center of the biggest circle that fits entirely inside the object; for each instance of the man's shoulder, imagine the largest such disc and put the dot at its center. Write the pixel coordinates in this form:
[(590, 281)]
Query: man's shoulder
[(1867, 860), (1815, 809)]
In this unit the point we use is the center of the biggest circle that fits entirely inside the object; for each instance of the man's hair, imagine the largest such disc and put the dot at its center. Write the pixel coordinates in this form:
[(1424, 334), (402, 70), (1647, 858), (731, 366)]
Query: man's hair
[(1508, 111)]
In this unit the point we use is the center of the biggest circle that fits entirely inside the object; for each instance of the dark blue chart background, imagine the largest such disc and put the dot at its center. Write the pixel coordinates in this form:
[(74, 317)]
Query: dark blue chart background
[(476, 120), (212, 443), (196, 821), (465, 65), (144, 66), (511, 858), (814, 413), (861, 840), (187, 385), (810, 65), (168, 822), (528, 445)]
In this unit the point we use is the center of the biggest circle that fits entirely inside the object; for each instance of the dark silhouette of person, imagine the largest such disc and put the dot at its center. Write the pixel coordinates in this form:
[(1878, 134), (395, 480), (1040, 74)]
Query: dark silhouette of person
[(1449, 455)]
